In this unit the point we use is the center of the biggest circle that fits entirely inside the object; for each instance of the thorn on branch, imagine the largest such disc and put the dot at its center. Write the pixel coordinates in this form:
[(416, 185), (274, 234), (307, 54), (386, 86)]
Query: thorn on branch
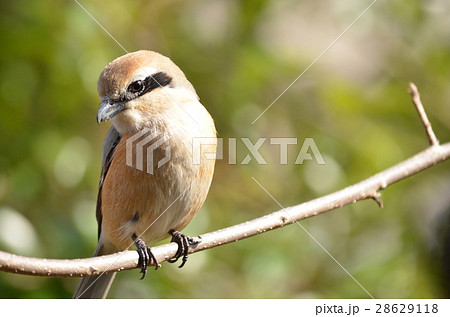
[(376, 196), (423, 116)]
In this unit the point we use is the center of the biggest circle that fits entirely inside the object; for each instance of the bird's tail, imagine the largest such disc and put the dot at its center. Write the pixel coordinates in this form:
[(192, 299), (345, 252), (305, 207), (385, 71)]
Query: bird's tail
[(95, 286)]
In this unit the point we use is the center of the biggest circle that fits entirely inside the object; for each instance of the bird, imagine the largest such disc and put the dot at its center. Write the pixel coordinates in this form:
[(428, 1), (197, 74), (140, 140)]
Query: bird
[(150, 186)]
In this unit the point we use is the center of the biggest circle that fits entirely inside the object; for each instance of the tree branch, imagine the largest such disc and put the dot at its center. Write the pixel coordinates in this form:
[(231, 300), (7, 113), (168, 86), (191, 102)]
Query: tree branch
[(127, 260), (423, 116)]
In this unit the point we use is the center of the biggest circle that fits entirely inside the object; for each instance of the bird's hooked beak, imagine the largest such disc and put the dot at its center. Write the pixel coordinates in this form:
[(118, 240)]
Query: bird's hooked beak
[(108, 109)]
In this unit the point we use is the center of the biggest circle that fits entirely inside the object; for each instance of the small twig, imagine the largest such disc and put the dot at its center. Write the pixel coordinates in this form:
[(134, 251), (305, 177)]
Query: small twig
[(423, 116), (377, 197)]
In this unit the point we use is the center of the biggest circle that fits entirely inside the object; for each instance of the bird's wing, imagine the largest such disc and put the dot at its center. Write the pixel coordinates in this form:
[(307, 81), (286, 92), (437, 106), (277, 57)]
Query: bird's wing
[(111, 141), (97, 286)]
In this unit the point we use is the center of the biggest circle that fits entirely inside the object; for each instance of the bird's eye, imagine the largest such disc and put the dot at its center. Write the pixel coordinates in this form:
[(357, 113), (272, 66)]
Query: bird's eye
[(136, 86)]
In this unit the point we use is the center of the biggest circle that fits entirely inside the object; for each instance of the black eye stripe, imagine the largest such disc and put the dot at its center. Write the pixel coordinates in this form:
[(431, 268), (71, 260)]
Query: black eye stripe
[(154, 81), (150, 83)]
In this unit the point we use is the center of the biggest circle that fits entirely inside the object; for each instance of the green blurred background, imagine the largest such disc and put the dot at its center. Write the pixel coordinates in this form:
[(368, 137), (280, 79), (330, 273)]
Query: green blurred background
[(239, 55)]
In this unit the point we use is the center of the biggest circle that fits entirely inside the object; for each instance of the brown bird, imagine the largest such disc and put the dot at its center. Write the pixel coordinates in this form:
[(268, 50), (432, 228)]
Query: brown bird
[(150, 186)]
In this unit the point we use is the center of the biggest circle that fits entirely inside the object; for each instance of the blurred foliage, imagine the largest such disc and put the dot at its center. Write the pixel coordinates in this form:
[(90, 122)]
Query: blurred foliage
[(240, 55)]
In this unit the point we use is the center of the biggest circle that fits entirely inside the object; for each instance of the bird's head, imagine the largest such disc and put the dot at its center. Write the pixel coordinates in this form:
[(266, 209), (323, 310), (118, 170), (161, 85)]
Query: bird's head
[(137, 86)]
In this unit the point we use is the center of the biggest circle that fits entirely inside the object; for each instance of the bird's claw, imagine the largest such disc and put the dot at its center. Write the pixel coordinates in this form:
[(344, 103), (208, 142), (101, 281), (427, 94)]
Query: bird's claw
[(146, 256), (184, 242)]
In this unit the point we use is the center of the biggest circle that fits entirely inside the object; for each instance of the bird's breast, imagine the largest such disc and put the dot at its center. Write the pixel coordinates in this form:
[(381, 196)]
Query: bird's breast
[(153, 184)]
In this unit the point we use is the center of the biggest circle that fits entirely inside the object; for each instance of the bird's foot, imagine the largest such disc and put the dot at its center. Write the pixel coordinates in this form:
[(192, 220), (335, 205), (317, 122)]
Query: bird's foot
[(184, 242), (145, 255)]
